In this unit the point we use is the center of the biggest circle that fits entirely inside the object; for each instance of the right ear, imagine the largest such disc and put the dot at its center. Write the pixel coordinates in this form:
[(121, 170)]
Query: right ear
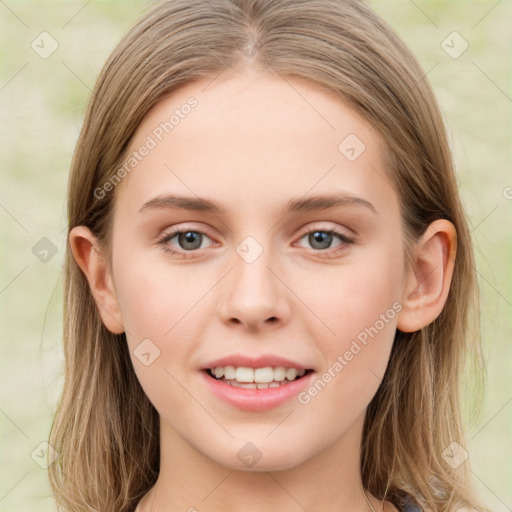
[(88, 256)]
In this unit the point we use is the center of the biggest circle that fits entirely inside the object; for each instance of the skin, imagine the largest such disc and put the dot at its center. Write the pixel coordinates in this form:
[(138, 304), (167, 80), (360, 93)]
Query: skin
[(253, 143)]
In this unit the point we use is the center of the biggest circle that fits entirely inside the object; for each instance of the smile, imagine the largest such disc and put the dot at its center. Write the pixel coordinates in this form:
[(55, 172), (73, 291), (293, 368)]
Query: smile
[(256, 378), (246, 391)]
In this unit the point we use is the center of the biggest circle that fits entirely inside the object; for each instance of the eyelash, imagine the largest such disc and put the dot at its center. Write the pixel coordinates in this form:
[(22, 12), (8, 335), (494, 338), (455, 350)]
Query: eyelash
[(165, 239)]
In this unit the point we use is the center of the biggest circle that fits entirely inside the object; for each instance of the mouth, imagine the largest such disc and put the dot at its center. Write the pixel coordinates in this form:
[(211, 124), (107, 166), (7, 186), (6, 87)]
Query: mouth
[(258, 388), (261, 378)]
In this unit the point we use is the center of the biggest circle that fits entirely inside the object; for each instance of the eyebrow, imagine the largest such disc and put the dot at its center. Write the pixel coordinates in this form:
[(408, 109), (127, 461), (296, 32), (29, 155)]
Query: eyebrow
[(301, 204)]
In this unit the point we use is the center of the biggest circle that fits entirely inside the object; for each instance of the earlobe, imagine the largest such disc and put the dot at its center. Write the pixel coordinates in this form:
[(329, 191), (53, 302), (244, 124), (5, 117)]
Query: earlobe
[(88, 256), (428, 283)]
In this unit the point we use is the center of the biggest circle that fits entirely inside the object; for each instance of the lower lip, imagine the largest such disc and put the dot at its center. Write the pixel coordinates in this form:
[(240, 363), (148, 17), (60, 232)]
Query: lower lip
[(256, 399)]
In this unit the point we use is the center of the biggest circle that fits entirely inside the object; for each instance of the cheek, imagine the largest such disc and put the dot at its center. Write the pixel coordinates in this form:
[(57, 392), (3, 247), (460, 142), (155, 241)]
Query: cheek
[(360, 305), (145, 307), (367, 297), (352, 296), (363, 317), (157, 309), (155, 298)]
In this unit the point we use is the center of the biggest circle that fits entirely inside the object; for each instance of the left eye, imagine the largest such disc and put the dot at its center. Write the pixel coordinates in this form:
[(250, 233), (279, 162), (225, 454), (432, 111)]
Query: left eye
[(322, 239), (187, 240)]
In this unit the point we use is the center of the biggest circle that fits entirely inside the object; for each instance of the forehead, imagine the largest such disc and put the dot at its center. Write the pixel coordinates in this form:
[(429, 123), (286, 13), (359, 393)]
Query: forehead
[(256, 136)]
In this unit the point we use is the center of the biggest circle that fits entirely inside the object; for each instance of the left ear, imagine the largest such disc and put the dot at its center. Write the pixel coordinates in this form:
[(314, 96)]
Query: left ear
[(428, 283)]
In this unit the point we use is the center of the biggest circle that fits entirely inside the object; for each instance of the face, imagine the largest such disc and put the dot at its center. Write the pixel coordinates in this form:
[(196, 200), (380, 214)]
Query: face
[(264, 269)]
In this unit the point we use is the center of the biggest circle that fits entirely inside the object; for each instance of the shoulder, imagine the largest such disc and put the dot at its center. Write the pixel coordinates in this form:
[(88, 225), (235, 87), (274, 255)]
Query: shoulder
[(410, 507), (406, 505)]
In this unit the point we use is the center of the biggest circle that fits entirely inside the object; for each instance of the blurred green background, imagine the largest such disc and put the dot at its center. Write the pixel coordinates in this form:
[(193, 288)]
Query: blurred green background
[(42, 102)]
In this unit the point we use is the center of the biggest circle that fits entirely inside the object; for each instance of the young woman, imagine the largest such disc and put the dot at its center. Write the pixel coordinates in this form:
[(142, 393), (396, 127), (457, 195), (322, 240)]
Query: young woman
[(270, 278)]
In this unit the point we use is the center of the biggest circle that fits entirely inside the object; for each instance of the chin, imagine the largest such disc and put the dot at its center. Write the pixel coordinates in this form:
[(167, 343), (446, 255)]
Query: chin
[(250, 459)]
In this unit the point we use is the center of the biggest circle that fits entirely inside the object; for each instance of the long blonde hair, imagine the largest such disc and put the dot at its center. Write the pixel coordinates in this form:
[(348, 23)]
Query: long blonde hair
[(105, 428)]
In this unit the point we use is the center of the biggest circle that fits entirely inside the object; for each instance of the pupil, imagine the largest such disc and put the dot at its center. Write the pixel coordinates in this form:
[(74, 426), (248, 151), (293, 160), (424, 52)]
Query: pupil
[(190, 237), (324, 239)]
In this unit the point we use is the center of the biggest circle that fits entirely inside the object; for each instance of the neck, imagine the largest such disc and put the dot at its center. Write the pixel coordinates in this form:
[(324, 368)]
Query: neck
[(329, 481)]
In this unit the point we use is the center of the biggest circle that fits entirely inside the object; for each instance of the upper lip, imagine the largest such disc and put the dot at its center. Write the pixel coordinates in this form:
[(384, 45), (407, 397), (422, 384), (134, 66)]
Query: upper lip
[(255, 362)]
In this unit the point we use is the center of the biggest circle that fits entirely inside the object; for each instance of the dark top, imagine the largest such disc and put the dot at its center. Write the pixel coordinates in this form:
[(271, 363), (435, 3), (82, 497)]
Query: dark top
[(409, 506)]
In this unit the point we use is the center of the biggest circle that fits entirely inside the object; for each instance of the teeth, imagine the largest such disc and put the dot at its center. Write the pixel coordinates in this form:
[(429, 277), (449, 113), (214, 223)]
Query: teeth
[(291, 373), (264, 375), (250, 385), (279, 373), (248, 376), (229, 372), (244, 374), (253, 385)]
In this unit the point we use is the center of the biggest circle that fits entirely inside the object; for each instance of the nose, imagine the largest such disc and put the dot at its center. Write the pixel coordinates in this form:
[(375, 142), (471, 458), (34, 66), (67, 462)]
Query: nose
[(254, 295)]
